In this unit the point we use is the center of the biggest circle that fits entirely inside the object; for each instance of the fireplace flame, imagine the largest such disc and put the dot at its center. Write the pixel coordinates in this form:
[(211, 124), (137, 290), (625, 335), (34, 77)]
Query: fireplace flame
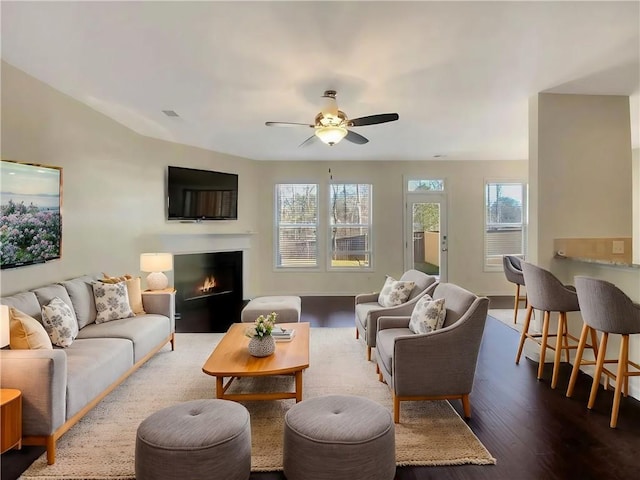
[(209, 284)]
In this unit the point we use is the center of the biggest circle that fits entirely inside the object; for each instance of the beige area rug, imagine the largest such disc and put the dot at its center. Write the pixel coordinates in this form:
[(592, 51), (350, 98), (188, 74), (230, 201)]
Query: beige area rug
[(102, 444)]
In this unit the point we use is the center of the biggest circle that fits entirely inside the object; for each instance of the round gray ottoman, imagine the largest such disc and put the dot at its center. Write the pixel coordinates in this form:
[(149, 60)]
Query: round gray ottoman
[(199, 439), (338, 437)]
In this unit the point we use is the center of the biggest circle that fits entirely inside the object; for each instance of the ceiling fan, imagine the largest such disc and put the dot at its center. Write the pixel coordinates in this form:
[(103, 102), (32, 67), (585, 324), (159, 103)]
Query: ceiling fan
[(332, 125)]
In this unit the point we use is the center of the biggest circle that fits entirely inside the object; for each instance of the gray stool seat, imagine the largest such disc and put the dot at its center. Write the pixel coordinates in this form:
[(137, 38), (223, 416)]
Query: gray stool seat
[(339, 437), (197, 439), (287, 308)]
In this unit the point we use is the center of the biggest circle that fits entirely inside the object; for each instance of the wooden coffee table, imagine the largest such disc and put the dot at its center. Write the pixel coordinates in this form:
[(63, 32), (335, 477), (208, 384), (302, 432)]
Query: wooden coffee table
[(231, 359)]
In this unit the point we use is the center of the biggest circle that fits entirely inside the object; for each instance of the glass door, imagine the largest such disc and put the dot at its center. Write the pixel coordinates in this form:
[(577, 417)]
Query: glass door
[(426, 233)]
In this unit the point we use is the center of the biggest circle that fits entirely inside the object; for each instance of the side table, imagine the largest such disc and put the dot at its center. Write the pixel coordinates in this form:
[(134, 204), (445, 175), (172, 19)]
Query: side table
[(10, 419)]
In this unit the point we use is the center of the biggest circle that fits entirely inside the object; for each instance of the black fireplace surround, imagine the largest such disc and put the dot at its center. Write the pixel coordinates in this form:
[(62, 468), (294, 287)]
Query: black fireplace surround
[(209, 290)]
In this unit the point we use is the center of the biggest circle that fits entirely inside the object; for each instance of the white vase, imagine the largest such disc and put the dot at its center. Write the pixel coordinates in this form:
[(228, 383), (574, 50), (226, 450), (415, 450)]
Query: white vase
[(262, 346)]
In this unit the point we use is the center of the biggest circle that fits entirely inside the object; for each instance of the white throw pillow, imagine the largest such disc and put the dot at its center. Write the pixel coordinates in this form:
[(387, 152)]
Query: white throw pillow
[(428, 315), (59, 322), (112, 301), (395, 292)]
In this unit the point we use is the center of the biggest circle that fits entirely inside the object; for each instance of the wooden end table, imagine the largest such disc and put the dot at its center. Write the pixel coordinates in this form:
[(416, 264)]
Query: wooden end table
[(10, 419)]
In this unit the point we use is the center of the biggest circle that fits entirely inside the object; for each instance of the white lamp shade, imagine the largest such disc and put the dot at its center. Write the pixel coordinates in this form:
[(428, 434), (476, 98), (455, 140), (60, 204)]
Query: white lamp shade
[(156, 262), (4, 326)]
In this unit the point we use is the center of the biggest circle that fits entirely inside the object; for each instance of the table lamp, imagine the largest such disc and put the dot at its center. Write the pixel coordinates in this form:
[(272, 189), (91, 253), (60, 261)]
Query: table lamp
[(5, 335), (156, 263)]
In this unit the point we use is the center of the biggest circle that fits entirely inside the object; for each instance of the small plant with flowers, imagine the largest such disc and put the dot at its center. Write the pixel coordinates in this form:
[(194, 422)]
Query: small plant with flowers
[(262, 326)]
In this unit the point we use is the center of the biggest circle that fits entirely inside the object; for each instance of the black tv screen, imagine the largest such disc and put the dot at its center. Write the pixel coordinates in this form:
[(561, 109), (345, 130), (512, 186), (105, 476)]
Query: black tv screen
[(30, 221), (201, 194)]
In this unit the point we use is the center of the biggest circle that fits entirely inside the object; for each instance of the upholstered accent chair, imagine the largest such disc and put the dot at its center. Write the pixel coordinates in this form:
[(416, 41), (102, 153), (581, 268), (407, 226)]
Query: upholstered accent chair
[(368, 310), (513, 272), (606, 309), (437, 365)]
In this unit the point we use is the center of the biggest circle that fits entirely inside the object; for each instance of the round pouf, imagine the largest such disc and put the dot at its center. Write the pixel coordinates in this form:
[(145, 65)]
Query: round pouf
[(338, 437), (199, 439)]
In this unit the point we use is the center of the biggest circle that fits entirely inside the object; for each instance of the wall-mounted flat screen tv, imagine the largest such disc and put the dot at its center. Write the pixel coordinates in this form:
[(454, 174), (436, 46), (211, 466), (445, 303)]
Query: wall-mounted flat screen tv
[(194, 194), (30, 220)]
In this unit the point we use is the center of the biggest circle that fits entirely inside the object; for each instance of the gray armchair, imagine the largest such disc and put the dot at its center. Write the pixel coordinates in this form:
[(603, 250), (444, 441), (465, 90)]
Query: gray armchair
[(368, 310), (437, 365)]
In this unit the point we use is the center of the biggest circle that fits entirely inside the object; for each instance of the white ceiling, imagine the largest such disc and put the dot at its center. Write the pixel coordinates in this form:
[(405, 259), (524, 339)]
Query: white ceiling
[(458, 73)]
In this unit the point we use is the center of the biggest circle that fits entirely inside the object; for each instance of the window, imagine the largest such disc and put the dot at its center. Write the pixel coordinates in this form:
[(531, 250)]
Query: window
[(350, 225), (296, 225), (505, 222), (432, 185)]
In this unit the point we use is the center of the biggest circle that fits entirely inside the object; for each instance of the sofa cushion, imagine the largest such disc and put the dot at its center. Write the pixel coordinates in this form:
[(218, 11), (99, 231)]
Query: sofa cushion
[(59, 322), (26, 302), (395, 292), (26, 333), (145, 331), (428, 315), (48, 293), (92, 366), (81, 295), (134, 290), (112, 302)]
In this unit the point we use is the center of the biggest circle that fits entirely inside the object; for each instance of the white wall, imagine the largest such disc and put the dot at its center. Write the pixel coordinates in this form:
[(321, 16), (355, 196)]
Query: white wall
[(635, 159), (582, 165), (113, 182), (113, 205), (465, 191)]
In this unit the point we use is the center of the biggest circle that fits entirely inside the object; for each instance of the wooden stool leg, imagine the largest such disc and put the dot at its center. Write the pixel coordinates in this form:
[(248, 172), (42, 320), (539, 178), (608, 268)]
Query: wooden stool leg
[(543, 344), (578, 359), (566, 340), (594, 342), (562, 323), (602, 351), (515, 306), (620, 378), (525, 330), (357, 333)]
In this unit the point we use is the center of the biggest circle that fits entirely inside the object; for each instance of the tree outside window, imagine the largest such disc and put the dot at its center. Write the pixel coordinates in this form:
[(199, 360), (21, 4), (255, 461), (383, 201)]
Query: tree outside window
[(350, 225)]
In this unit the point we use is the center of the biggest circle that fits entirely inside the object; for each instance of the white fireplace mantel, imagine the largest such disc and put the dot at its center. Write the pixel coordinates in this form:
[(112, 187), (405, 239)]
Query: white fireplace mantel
[(204, 242)]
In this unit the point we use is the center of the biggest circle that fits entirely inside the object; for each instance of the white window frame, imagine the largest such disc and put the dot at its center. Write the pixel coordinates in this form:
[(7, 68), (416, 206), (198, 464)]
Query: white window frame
[(494, 263), (278, 225), (330, 226)]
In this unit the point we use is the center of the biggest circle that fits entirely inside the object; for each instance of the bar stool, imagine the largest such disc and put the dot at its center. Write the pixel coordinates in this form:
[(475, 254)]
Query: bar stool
[(513, 272), (607, 309), (545, 292)]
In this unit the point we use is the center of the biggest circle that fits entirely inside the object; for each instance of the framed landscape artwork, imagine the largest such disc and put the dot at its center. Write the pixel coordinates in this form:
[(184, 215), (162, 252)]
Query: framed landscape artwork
[(30, 213)]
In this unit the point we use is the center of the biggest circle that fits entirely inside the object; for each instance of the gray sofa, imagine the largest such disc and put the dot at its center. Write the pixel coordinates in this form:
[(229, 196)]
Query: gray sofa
[(60, 386), (437, 365)]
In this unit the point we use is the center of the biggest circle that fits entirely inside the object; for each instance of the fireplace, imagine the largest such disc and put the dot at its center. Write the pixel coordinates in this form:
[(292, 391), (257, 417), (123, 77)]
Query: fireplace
[(209, 290)]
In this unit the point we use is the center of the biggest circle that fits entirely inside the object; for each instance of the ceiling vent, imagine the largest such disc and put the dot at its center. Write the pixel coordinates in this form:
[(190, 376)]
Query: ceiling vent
[(170, 113)]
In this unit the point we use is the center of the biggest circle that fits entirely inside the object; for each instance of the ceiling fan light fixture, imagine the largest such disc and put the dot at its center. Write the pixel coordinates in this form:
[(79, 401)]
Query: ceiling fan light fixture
[(331, 134)]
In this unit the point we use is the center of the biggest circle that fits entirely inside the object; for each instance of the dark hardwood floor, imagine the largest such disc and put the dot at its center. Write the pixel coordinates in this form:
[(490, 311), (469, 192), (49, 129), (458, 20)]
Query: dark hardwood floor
[(534, 432)]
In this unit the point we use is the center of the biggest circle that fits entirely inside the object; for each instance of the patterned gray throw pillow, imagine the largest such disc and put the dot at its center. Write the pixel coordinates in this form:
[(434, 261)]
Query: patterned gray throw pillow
[(112, 301), (59, 322), (428, 315), (395, 292)]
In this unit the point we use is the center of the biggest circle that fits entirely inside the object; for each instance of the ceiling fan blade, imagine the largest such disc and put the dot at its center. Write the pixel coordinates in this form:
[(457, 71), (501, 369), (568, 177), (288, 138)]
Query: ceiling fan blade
[(373, 119), (308, 141), (287, 124), (354, 137)]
